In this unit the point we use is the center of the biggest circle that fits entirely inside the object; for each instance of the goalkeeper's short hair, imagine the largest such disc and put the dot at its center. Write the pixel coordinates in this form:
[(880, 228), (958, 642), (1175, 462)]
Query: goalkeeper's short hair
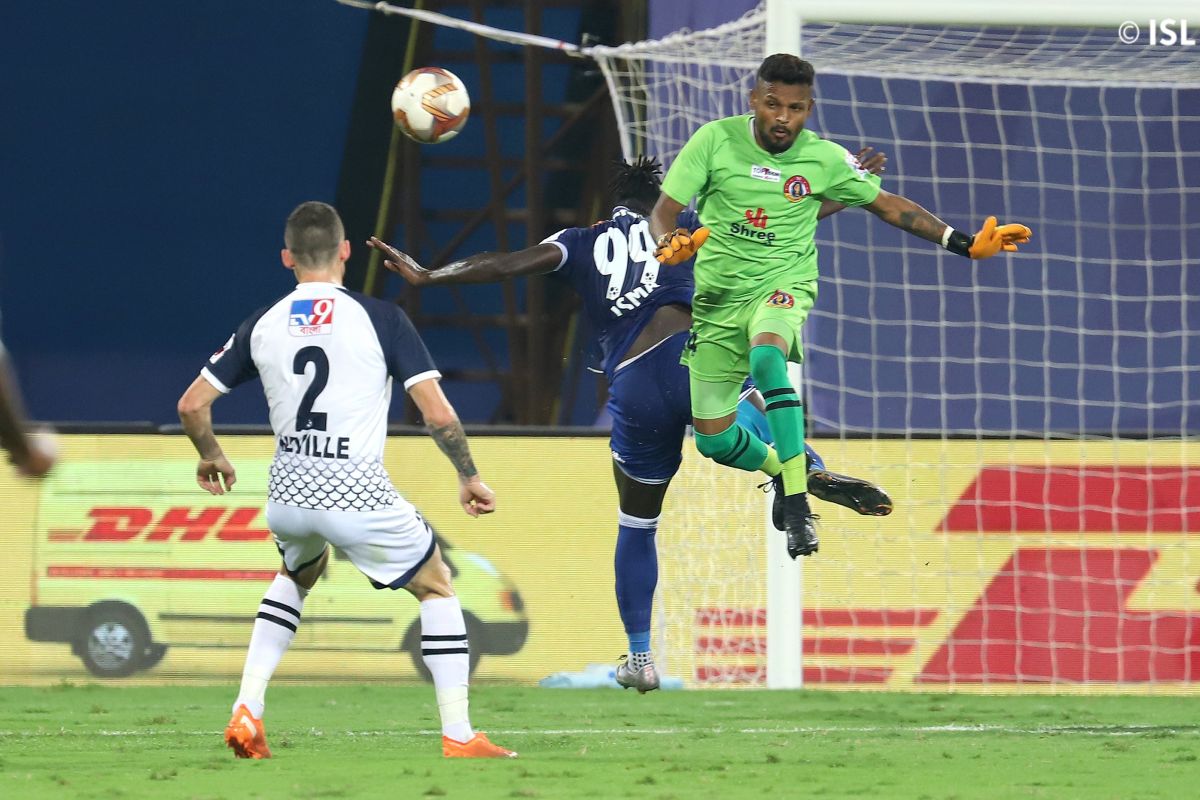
[(786, 68)]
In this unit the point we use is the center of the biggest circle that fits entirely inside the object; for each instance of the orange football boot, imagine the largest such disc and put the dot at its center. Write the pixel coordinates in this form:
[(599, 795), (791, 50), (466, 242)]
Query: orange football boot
[(246, 735), (477, 747)]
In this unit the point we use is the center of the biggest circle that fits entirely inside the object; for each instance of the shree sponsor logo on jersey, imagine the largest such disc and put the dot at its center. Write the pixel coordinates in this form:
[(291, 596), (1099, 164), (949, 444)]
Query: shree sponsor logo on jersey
[(796, 188), (765, 173), (312, 317), (755, 227)]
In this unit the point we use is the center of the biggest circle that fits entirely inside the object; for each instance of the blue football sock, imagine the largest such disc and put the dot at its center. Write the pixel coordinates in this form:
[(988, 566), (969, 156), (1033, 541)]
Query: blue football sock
[(753, 420), (639, 642), (814, 459), (636, 567)]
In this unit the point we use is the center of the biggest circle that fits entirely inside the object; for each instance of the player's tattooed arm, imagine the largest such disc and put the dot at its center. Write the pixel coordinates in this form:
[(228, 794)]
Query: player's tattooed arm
[(481, 268), (907, 215), (474, 495), (452, 440), (442, 423)]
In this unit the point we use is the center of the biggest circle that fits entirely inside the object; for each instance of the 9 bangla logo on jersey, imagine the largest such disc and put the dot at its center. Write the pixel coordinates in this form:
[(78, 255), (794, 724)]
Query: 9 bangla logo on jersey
[(796, 188), (312, 317)]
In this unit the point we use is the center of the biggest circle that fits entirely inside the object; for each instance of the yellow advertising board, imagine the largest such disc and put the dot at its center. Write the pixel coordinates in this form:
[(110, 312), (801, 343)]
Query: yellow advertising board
[(120, 547), (1007, 566)]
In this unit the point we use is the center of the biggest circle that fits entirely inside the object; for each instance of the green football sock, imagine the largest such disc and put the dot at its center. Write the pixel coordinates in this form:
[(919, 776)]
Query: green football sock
[(772, 466), (734, 447), (785, 414), (795, 475)]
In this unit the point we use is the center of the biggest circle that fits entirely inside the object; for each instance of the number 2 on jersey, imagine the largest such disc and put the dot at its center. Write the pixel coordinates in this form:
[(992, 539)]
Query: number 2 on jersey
[(613, 253), (306, 419)]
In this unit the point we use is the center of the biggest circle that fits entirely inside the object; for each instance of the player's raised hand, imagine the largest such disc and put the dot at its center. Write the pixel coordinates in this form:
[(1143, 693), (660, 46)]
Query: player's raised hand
[(993, 238), (475, 496), (679, 245), (400, 263), (211, 472), (872, 161)]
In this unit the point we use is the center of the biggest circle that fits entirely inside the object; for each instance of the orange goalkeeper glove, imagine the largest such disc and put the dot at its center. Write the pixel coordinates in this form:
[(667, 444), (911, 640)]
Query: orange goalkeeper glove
[(989, 241), (679, 245)]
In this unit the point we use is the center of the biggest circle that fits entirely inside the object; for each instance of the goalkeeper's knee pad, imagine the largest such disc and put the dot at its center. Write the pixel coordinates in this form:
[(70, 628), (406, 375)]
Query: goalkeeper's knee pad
[(734, 447), (717, 446)]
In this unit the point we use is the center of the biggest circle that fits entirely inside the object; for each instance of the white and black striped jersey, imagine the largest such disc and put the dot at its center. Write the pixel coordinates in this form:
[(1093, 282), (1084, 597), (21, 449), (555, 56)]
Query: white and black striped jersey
[(326, 357)]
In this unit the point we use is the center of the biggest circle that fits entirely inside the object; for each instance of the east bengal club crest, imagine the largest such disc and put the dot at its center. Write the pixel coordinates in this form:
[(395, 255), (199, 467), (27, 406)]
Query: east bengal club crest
[(796, 188), (781, 299)]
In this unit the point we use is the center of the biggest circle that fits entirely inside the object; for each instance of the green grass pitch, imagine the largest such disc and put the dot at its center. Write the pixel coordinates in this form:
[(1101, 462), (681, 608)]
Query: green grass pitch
[(92, 741)]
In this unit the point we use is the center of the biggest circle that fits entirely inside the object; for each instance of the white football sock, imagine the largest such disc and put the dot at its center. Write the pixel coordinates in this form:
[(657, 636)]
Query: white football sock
[(444, 650), (274, 629)]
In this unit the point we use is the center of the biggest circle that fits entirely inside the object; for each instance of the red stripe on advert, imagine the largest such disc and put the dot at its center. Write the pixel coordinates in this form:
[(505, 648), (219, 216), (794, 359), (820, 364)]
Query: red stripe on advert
[(731, 645), (732, 617), (743, 675), (162, 573), (847, 674), (1077, 499), (873, 617), (820, 617), (858, 647)]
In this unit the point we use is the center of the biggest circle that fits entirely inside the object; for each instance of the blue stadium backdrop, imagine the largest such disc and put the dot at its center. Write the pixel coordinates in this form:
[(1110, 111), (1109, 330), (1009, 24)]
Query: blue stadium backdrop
[(146, 176)]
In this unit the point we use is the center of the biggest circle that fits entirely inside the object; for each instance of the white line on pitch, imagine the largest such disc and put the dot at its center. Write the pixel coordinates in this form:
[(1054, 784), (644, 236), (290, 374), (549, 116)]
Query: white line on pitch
[(1086, 730)]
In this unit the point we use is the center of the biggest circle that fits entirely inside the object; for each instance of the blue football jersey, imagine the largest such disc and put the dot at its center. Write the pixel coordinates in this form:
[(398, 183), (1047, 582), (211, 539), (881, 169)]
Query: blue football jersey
[(612, 266)]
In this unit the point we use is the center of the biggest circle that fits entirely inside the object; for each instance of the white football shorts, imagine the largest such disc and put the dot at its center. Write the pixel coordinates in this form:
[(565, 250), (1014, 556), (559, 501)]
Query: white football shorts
[(388, 545)]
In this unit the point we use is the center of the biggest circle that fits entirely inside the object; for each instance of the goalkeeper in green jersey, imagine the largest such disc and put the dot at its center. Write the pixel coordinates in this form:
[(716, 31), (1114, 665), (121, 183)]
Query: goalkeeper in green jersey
[(759, 180)]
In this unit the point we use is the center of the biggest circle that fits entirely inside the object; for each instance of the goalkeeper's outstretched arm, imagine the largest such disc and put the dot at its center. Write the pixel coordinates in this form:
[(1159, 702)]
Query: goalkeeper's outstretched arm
[(987, 242), (481, 268), (663, 216), (673, 245)]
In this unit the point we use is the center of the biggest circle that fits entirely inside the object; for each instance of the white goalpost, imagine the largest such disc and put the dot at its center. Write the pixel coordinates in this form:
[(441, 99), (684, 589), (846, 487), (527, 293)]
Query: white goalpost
[(1033, 418)]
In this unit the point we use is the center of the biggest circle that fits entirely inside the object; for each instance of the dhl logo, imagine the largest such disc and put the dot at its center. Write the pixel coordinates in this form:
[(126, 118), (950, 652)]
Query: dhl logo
[(178, 523), (1058, 612)]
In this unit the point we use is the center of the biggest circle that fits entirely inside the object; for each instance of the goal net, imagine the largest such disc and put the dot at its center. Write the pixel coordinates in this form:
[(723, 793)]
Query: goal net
[(1035, 417)]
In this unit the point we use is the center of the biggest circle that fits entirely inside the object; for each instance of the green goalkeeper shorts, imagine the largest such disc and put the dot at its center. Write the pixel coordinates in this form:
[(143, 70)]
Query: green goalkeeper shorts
[(718, 351)]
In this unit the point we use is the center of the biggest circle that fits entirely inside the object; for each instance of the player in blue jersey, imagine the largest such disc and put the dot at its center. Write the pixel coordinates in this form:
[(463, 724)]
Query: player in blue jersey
[(642, 311)]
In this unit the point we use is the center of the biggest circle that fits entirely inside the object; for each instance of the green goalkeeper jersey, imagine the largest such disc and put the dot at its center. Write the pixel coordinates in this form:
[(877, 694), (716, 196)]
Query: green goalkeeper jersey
[(760, 208)]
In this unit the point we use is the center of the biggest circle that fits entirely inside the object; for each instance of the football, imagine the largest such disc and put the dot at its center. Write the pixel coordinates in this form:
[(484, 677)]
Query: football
[(430, 105)]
